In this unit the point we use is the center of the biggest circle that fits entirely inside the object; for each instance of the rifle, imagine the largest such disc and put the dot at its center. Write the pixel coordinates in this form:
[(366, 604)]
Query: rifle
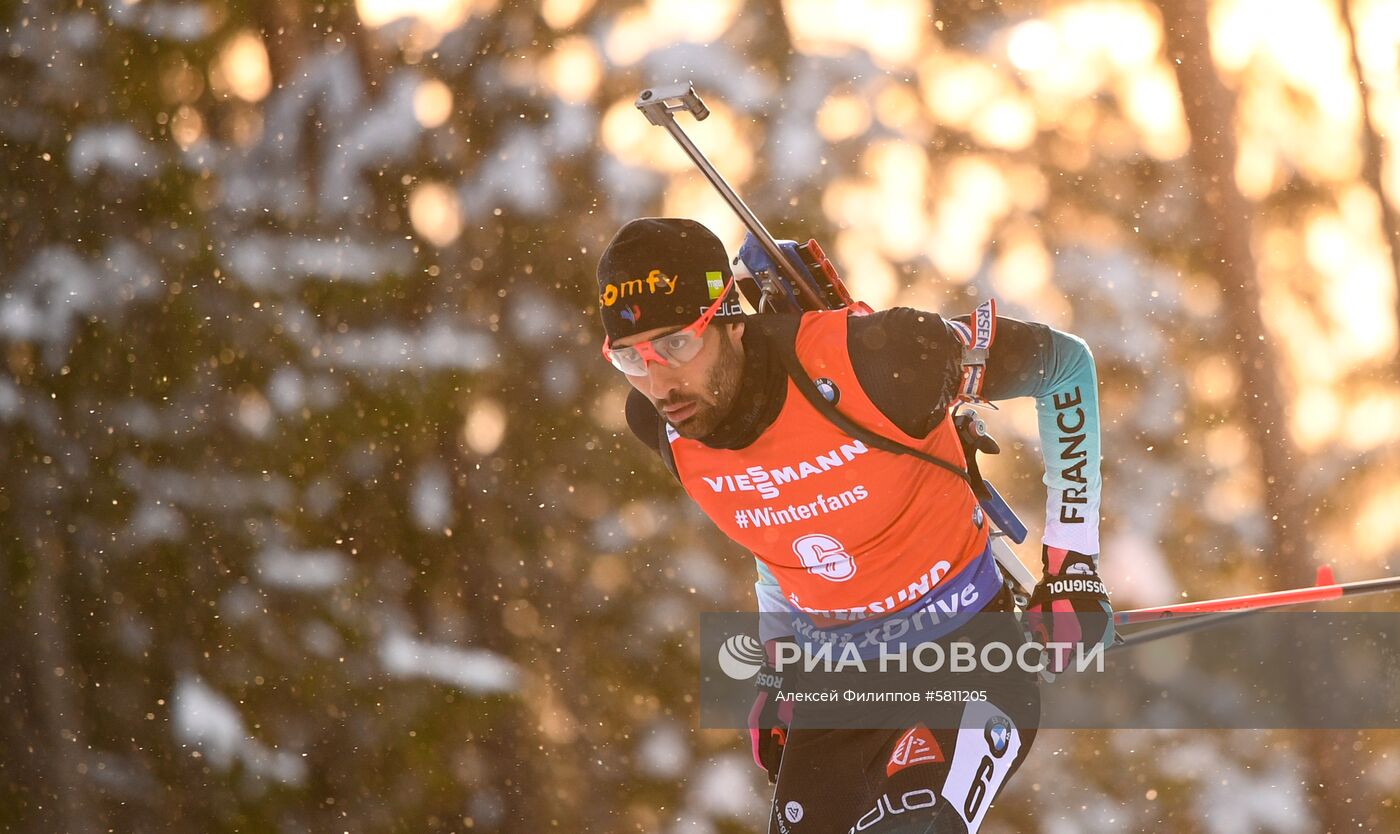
[(774, 275)]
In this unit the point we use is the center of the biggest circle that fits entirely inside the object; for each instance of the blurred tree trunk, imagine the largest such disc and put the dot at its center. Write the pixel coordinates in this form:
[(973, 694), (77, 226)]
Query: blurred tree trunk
[(1372, 162), (282, 26), (1225, 248), (55, 675)]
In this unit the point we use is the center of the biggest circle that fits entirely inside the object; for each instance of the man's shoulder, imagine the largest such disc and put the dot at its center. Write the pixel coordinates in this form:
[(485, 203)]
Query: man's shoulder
[(908, 362), (897, 326), (911, 334), (888, 342)]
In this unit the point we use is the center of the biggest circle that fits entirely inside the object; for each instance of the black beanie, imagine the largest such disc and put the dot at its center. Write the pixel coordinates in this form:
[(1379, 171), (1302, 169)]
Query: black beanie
[(662, 272)]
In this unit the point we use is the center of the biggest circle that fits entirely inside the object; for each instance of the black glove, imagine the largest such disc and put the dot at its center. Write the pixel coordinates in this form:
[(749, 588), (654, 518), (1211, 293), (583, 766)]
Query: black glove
[(769, 720), (1070, 605)]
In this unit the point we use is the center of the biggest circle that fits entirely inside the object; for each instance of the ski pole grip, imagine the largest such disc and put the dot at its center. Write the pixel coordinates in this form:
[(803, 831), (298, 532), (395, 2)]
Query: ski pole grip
[(655, 102)]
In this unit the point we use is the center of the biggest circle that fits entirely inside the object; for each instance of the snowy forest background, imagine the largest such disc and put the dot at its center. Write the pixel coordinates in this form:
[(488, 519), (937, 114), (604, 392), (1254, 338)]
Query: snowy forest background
[(317, 508)]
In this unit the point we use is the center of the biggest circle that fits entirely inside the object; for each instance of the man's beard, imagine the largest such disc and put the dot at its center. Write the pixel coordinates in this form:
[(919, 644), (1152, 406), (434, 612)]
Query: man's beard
[(718, 395)]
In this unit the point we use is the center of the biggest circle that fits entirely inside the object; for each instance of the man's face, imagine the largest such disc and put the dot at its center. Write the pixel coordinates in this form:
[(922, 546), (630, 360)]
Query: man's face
[(696, 396)]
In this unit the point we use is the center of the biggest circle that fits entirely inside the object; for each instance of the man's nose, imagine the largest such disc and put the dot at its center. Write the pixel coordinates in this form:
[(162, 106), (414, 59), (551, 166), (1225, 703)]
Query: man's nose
[(661, 380)]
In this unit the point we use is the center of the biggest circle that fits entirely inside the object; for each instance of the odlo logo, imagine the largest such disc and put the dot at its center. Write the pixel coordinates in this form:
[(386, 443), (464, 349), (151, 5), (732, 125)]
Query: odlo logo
[(887, 807), (613, 293)]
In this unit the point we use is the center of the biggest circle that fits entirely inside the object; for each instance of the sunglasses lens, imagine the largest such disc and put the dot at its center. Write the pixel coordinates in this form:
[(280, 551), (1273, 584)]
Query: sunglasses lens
[(678, 348), (629, 361)]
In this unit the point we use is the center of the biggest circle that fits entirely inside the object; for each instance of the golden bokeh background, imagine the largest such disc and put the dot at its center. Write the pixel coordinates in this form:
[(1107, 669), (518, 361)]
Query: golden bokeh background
[(320, 508)]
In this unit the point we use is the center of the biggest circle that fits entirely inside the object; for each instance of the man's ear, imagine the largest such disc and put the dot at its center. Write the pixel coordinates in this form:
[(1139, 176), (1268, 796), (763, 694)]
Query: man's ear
[(736, 332)]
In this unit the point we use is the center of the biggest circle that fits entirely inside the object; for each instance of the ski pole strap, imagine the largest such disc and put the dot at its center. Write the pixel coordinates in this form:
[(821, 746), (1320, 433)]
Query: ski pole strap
[(976, 340), (786, 343)]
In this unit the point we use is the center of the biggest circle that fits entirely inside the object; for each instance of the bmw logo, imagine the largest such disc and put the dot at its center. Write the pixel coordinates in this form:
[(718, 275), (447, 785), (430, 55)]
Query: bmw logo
[(998, 735), (828, 390)]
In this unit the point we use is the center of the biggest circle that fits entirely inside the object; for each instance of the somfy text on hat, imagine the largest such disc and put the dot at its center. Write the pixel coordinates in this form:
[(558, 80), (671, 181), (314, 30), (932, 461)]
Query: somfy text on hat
[(662, 272)]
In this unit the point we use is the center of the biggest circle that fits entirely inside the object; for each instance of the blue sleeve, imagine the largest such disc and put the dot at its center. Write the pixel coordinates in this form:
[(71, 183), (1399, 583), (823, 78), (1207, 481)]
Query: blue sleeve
[(1057, 370)]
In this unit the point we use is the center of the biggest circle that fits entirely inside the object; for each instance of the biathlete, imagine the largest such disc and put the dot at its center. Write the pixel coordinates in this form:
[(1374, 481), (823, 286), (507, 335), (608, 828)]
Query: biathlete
[(844, 532)]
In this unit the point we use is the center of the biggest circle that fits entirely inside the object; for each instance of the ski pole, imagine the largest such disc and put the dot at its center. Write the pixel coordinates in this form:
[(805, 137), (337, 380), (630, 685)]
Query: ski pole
[(1171, 628), (1210, 613), (1326, 589), (658, 104)]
